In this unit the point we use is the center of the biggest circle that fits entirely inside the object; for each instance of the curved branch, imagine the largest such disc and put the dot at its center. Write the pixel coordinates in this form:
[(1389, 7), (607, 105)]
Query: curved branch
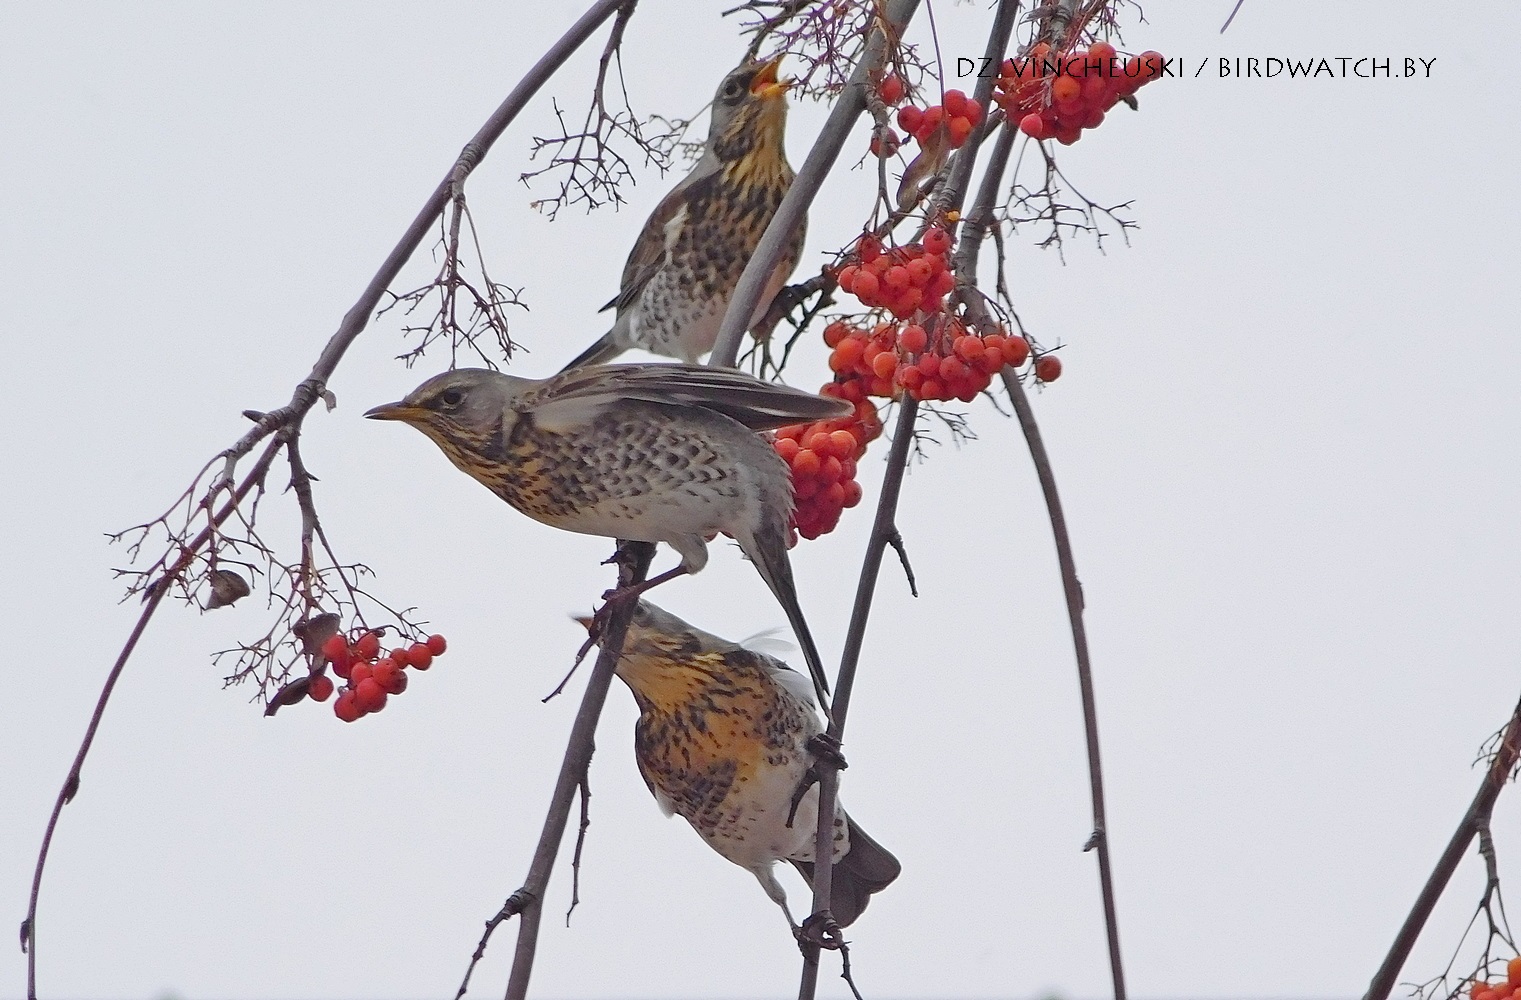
[(287, 418), (1072, 588), (71, 784)]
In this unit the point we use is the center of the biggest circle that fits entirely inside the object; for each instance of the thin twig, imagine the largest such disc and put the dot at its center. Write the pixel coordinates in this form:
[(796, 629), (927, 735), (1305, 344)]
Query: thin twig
[(1234, 11), (510, 909), (1072, 589), (884, 527), (575, 862), (1495, 777), (633, 562)]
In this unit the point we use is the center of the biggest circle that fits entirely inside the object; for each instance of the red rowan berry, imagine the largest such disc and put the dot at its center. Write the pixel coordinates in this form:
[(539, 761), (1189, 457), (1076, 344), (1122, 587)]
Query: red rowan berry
[(320, 687), (346, 707), (368, 646), (369, 695)]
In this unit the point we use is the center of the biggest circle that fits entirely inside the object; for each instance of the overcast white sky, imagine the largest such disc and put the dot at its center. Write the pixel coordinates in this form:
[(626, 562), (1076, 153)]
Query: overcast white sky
[(1286, 438)]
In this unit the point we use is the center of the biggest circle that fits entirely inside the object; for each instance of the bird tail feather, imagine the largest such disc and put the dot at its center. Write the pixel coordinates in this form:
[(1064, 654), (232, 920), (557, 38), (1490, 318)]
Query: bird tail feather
[(601, 352), (866, 868), (770, 558)]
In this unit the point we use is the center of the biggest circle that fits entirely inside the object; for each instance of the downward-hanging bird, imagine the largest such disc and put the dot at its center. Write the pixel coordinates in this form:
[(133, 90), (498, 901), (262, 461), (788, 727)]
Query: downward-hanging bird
[(650, 453), (693, 248), (723, 740)]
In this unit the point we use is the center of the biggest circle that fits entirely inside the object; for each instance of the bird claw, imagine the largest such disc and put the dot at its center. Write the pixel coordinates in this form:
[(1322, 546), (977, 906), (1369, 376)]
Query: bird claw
[(821, 931), (826, 752)]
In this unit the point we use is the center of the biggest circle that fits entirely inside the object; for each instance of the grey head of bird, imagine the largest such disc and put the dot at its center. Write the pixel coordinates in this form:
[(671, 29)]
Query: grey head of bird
[(460, 409), (750, 114)]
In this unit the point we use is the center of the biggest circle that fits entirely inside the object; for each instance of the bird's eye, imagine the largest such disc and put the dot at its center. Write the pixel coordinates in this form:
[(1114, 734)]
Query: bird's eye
[(732, 90), (450, 399)]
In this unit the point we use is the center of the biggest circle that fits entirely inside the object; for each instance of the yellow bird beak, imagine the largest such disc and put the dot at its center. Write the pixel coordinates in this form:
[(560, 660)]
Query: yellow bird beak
[(764, 83), (392, 411)]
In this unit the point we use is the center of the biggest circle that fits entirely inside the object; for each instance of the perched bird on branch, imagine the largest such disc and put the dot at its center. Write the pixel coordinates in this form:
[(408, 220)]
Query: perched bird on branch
[(650, 453), (682, 271), (725, 739)]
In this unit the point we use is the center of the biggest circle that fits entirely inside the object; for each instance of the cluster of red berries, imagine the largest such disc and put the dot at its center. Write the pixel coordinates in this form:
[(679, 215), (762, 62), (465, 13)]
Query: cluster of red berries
[(371, 678), (959, 114), (1508, 989), (822, 458), (941, 360), (1056, 97), (903, 279)]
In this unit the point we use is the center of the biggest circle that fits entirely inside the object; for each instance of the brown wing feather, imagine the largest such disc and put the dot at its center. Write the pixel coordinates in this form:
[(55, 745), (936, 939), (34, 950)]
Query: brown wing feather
[(582, 392), (650, 248)]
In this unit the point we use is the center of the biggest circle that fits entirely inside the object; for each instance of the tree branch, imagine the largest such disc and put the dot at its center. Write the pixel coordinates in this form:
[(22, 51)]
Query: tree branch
[(980, 218), (255, 477), (884, 529), (1072, 588), (287, 419), (633, 563), (1496, 775)]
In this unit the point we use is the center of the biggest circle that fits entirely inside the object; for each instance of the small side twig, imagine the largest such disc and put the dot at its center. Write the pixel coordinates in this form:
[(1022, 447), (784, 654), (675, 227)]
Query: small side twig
[(896, 541), (575, 861), (511, 908), (594, 168)]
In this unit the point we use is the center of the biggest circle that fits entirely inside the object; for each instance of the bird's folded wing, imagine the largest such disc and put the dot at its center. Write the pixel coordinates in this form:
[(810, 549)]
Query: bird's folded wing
[(574, 397), (794, 683), (654, 243)]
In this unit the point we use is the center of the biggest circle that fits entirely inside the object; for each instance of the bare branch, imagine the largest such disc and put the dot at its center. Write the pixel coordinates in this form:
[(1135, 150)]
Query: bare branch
[(70, 787), (633, 562), (588, 156), (287, 420), (1496, 775), (486, 301)]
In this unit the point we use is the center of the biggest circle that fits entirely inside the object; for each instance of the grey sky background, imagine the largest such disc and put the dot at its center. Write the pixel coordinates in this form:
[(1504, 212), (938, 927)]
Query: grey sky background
[(1285, 439)]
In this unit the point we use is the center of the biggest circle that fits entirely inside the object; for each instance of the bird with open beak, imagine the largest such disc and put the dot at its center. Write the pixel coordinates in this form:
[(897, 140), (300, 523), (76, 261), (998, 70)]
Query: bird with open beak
[(693, 248)]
